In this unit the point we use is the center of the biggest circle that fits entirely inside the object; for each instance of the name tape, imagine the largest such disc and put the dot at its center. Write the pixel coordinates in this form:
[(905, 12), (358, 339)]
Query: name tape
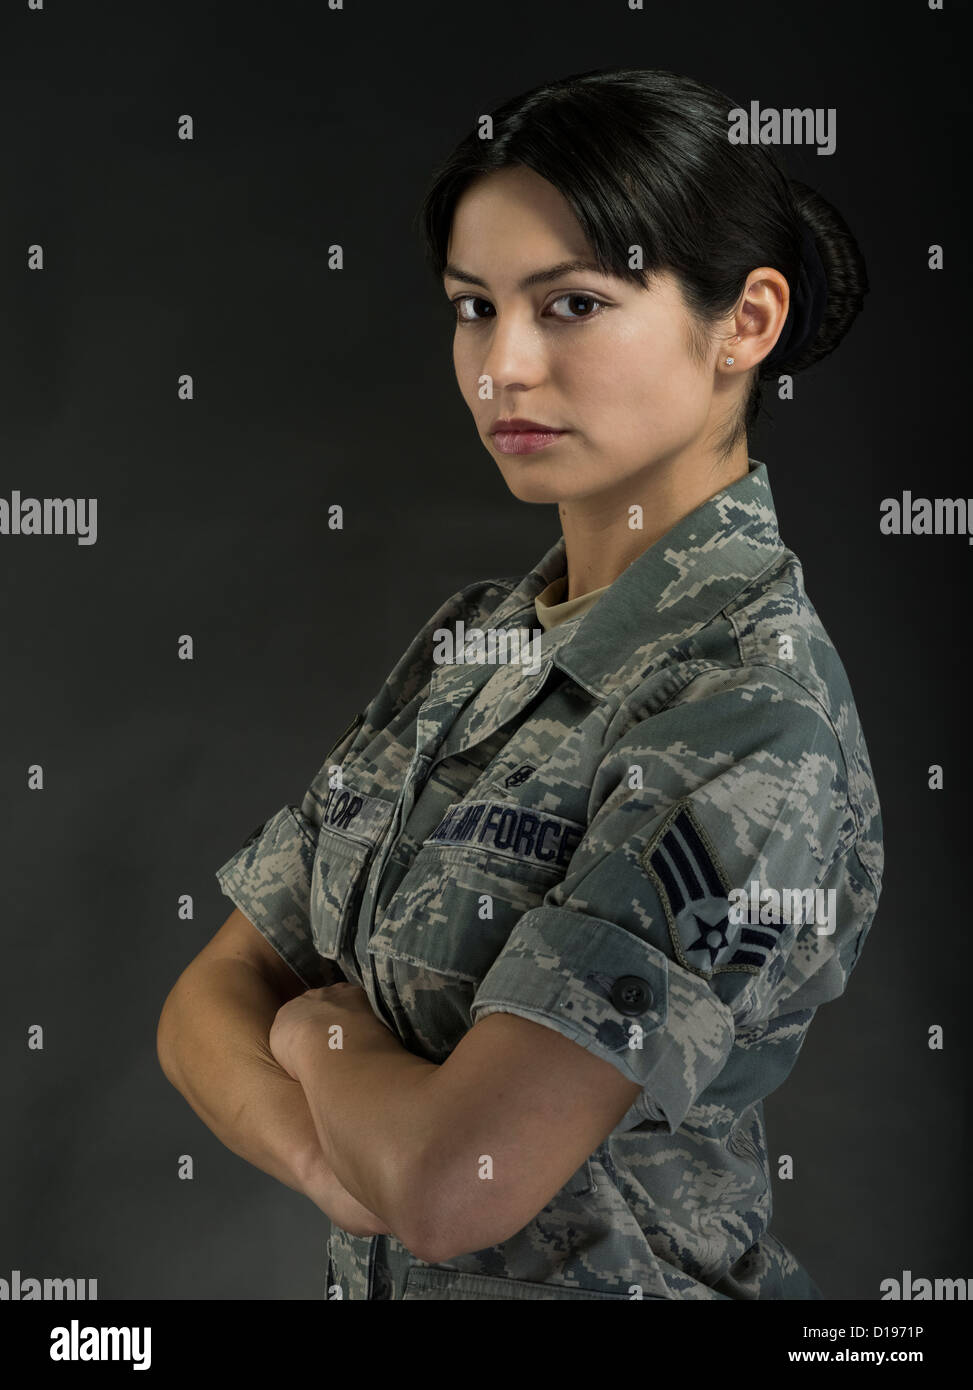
[(355, 815)]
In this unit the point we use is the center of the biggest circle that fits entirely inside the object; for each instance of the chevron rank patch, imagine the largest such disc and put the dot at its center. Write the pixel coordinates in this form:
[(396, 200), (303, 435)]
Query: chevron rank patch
[(693, 888)]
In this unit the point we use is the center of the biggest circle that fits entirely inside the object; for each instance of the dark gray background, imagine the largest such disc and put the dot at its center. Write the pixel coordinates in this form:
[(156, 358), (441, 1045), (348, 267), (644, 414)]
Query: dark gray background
[(314, 387)]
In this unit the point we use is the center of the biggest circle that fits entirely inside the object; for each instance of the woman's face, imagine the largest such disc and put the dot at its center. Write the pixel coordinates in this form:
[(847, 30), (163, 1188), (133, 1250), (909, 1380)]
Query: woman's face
[(583, 352)]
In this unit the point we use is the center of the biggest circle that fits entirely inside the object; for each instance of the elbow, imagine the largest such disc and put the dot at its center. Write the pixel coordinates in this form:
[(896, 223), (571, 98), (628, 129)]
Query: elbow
[(163, 1042), (413, 1225), (437, 1242), (422, 1223), (428, 1241), (418, 1245), (441, 1221)]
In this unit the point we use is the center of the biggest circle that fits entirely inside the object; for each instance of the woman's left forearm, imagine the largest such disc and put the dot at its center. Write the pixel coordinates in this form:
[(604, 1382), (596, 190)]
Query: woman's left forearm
[(373, 1109)]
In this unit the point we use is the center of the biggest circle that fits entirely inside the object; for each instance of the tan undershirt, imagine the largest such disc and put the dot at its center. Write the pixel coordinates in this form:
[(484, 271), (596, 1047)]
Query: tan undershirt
[(550, 611)]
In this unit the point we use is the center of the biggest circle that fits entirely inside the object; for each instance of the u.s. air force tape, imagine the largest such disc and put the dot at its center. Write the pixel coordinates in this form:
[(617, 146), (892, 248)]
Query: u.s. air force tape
[(512, 830)]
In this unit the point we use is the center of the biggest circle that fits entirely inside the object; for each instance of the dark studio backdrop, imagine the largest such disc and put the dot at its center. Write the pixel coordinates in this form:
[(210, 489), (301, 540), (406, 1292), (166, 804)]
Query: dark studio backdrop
[(164, 257)]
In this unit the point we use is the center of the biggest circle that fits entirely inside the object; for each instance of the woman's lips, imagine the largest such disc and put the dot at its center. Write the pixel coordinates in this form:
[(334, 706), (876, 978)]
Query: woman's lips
[(525, 441)]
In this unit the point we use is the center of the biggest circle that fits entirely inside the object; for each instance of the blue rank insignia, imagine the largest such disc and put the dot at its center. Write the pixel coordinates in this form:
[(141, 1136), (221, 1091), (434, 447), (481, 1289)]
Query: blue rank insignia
[(694, 890)]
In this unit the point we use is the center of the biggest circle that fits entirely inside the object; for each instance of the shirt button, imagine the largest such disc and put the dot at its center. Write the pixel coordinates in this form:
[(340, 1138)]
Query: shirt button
[(631, 994)]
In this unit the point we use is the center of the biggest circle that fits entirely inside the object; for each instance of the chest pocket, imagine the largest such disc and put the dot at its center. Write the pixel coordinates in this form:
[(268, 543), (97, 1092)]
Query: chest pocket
[(353, 825), (484, 865)]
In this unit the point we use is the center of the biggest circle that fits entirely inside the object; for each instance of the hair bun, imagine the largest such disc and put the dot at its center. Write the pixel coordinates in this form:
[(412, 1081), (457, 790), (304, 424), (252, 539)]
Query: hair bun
[(844, 269)]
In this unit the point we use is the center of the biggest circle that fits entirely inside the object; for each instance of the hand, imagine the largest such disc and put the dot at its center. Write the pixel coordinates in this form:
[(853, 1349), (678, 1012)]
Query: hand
[(313, 1013)]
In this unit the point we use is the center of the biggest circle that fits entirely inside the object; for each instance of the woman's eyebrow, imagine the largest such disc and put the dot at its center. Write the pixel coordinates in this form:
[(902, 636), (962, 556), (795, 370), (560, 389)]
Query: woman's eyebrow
[(536, 277)]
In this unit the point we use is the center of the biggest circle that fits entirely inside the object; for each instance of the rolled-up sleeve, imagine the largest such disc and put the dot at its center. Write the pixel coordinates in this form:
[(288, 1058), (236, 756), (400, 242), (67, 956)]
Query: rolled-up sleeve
[(618, 996), (636, 955)]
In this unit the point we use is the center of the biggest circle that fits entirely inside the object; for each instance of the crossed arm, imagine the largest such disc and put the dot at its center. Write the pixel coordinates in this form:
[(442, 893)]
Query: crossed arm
[(451, 1158), (458, 1156)]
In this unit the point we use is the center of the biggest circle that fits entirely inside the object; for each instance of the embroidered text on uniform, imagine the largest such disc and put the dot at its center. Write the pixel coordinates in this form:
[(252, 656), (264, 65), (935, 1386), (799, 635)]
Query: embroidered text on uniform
[(522, 833)]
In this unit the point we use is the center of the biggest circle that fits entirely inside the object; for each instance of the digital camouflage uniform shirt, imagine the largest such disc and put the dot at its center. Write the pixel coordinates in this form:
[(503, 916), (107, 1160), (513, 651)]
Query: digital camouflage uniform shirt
[(564, 845)]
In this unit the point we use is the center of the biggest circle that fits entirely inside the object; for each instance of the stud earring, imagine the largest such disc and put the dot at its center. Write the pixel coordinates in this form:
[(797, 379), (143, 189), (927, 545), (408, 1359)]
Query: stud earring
[(730, 361)]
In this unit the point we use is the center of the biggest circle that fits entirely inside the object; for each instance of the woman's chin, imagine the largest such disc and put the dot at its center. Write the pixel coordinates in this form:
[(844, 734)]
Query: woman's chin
[(524, 492)]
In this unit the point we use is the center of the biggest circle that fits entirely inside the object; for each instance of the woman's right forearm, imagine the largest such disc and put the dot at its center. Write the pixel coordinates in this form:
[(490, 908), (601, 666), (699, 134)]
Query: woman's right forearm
[(213, 1046)]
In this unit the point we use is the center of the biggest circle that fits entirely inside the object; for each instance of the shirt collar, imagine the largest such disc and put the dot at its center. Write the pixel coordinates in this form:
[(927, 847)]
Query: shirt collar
[(672, 589)]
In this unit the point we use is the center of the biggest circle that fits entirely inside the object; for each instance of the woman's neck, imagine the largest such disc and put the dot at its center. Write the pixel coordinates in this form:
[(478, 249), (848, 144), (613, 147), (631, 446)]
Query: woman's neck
[(600, 540)]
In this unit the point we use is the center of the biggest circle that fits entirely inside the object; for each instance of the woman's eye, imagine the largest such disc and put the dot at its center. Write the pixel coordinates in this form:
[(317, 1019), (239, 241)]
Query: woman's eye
[(469, 300), (575, 298)]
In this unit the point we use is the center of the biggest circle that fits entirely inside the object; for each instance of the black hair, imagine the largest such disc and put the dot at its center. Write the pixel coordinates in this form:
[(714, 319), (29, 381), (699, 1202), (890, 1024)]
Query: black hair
[(643, 157)]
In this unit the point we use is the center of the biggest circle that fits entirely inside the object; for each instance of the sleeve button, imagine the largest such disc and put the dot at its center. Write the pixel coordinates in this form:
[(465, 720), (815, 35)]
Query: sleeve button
[(631, 995)]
